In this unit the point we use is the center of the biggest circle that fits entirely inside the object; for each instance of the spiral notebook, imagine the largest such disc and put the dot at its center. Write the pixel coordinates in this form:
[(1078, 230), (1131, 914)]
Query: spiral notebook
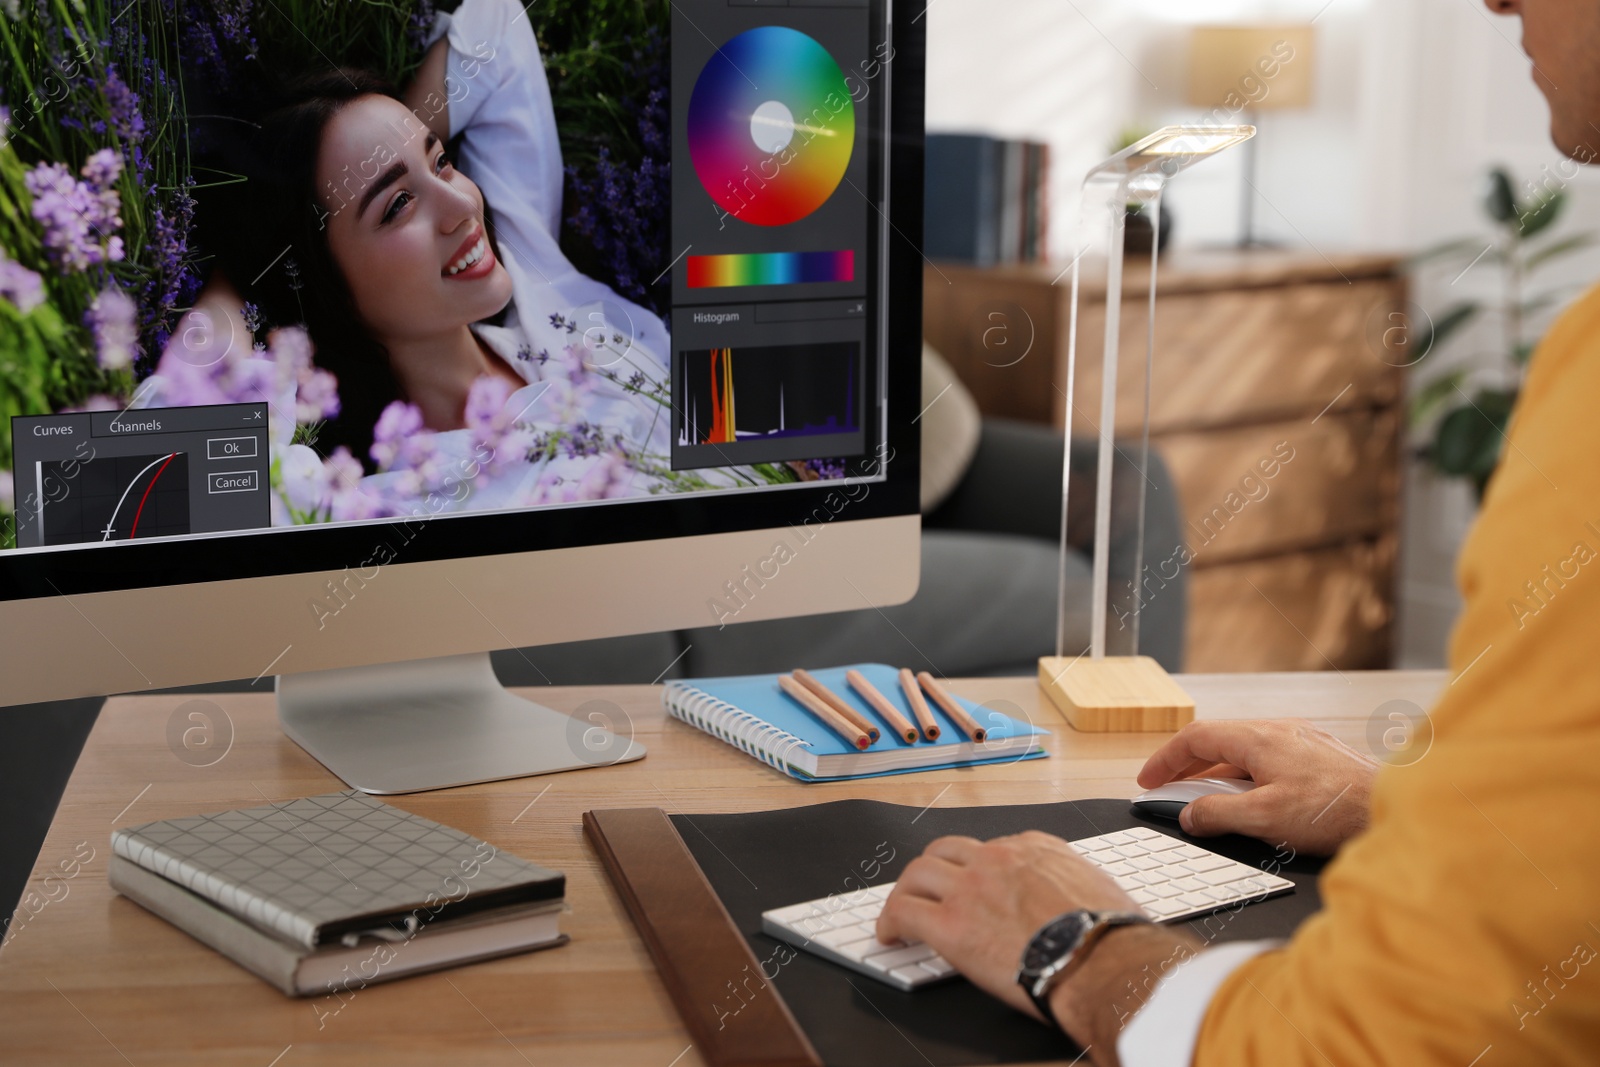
[(756, 716)]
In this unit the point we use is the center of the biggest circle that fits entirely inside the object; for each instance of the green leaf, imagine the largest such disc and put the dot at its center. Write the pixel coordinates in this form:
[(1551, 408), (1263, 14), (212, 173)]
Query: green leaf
[(1523, 352), (1436, 392), (1539, 215), (1441, 328), (1469, 439), (1562, 247), (1499, 201)]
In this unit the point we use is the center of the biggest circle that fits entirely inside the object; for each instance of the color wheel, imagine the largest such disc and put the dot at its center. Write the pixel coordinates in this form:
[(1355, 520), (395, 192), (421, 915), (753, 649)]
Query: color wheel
[(771, 126)]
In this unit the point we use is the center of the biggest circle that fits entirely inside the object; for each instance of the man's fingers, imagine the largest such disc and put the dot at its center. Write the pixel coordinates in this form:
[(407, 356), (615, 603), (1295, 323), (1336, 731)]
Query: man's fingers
[(907, 917), (1204, 743), (958, 850), (1222, 813), (927, 876)]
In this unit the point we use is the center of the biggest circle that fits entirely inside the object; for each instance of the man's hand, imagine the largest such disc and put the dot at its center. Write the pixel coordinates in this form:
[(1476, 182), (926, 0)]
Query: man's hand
[(1314, 791), (978, 902)]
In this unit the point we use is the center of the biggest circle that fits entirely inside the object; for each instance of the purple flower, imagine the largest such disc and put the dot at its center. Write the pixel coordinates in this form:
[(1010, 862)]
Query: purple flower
[(8, 492), (5, 123), (401, 443), (826, 469), (78, 217), (252, 317), (111, 321), (20, 285), (126, 121)]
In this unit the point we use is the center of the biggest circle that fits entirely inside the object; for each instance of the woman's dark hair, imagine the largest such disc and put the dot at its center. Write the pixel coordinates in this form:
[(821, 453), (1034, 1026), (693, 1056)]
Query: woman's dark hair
[(270, 236)]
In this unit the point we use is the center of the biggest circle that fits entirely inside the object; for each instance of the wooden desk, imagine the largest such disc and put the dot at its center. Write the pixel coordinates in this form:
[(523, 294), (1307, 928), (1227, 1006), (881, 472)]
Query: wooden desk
[(90, 978)]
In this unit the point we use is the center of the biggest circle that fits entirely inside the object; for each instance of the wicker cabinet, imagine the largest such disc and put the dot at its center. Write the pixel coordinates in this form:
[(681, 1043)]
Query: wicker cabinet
[(1261, 356)]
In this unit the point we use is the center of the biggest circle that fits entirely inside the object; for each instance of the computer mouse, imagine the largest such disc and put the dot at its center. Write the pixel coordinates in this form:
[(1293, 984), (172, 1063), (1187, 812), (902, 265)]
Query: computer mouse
[(1165, 801)]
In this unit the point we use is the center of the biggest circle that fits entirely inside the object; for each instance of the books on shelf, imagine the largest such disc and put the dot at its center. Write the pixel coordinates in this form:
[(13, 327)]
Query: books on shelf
[(986, 199), (328, 893)]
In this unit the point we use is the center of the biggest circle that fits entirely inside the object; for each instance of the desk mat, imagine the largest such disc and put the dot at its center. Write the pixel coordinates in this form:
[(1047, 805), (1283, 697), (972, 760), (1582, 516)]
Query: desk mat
[(762, 860)]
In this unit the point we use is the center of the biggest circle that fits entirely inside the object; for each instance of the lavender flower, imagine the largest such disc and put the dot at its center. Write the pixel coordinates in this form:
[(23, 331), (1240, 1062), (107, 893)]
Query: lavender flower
[(252, 317), (126, 121), (20, 285), (8, 491), (111, 321), (420, 25), (826, 469), (78, 216), (401, 443), (5, 124)]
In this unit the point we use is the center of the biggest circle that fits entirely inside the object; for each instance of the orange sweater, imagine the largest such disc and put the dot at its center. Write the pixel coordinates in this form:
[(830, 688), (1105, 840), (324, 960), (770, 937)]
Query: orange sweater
[(1463, 928)]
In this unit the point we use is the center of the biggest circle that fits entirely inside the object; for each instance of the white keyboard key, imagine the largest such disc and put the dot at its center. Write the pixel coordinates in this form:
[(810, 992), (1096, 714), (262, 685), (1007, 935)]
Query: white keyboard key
[(1165, 890), (1233, 872), (937, 966), (1142, 895), (846, 936), (1128, 882), (1209, 863), (1160, 843), (867, 946), (880, 892), (1189, 885), (795, 912), (1189, 852), (888, 961), (1119, 869), (1196, 900), (1164, 908), (910, 973), (868, 912), (1144, 832), (1145, 863), (1118, 839), (1150, 878)]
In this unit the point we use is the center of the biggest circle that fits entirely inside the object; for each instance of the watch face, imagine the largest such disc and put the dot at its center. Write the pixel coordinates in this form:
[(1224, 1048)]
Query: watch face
[(1056, 940)]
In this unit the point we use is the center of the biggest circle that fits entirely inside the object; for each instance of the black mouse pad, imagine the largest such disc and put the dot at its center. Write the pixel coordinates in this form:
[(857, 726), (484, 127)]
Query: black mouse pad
[(763, 860)]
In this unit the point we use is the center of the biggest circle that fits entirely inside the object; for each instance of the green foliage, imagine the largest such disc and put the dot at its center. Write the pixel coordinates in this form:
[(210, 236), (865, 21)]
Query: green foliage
[(1467, 438), (1444, 326)]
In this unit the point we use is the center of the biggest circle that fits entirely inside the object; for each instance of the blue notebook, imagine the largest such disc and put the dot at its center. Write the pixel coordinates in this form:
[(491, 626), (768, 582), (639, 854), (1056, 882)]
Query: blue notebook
[(755, 715)]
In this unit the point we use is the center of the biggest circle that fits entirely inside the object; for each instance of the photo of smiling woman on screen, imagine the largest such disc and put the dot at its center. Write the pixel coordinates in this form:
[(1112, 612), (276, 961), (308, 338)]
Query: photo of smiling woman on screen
[(452, 356)]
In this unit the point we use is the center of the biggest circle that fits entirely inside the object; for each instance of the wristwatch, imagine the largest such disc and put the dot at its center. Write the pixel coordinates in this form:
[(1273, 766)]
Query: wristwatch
[(1059, 944)]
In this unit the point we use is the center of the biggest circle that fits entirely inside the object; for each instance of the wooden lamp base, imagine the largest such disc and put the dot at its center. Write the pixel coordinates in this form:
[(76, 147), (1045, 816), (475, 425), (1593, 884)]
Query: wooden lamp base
[(1118, 694)]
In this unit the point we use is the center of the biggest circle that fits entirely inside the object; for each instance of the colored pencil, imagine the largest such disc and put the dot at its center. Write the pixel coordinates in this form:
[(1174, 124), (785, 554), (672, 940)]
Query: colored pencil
[(967, 723), (834, 701), (919, 706), (836, 722), (880, 703)]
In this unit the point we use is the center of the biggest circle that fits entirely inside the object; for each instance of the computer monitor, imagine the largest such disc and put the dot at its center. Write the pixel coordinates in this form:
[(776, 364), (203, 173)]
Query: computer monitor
[(529, 337)]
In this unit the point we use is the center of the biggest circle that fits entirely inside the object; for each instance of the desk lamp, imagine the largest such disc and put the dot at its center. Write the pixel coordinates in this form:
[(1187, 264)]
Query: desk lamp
[(1242, 70), (1096, 691)]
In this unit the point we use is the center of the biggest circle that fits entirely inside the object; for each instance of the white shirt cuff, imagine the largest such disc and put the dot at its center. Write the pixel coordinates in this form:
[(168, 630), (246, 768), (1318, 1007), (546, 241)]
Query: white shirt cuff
[(1164, 1031)]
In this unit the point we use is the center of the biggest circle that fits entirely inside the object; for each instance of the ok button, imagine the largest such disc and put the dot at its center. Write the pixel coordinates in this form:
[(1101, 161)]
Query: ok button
[(231, 448)]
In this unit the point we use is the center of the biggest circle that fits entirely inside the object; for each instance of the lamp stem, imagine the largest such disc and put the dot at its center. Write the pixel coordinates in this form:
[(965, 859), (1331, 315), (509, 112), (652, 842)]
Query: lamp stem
[(1247, 202)]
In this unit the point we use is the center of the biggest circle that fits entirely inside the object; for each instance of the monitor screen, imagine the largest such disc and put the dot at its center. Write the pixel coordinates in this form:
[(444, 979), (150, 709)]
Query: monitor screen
[(278, 271)]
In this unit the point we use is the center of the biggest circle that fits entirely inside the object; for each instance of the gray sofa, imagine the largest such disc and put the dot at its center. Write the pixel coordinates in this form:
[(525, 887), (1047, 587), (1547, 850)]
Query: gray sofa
[(986, 605)]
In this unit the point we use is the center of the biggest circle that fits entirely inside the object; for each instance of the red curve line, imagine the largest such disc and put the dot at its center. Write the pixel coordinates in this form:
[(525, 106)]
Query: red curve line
[(134, 532)]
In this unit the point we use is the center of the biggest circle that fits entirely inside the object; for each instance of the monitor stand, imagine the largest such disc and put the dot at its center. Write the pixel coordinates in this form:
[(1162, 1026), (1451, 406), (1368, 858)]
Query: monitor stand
[(437, 723)]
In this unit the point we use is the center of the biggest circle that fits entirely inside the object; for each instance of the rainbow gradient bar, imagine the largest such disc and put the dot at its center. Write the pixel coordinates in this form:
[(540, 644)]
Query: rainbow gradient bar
[(771, 268)]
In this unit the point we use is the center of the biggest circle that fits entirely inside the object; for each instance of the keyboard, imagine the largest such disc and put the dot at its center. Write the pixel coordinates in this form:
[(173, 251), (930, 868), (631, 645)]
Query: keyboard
[(1169, 879)]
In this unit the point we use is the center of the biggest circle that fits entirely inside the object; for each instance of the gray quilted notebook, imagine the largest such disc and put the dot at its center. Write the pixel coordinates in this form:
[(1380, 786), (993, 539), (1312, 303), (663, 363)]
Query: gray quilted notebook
[(323, 869)]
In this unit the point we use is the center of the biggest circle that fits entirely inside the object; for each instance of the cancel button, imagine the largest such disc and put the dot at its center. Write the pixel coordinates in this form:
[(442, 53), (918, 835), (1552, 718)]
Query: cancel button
[(233, 482)]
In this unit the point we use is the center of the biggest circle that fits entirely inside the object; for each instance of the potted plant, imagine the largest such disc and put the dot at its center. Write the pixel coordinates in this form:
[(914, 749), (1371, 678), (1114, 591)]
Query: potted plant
[(1463, 413)]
